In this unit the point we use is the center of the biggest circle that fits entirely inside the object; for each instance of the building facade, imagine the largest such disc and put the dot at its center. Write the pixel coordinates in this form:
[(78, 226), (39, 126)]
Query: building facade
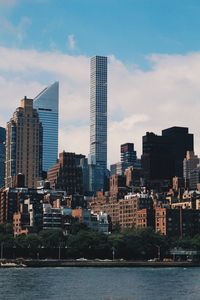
[(24, 145), (128, 154), (66, 175), (145, 218), (47, 105), (163, 155), (157, 161), (98, 115), (190, 163), (180, 141), (177, 222), (2, 155)]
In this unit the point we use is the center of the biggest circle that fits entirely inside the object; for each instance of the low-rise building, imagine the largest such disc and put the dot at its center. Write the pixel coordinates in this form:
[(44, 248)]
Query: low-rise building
[(52, 217), (145, 218), (177, 222), (98, 222)]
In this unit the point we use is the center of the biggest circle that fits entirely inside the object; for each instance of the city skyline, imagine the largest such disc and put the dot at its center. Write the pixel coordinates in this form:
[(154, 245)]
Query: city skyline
[(152, 85), (99, 149)]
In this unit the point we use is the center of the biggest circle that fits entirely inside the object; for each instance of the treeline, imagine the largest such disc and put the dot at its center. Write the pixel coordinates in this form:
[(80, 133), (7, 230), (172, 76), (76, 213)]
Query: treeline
[(137, 244)]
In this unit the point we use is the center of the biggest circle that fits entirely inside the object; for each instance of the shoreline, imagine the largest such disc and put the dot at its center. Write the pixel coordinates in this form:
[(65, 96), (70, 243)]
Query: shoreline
[(40, 263)]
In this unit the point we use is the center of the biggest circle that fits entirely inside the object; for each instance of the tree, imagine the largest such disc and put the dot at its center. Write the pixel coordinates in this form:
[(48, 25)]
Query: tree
[(51, 238)]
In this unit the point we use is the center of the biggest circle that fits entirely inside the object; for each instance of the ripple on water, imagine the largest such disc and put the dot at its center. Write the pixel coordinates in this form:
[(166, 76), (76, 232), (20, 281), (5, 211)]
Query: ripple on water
[(100, 283)]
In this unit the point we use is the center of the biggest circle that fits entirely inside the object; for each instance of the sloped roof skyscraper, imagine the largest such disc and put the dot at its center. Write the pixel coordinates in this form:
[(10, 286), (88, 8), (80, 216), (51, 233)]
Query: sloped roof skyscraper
[(47, 105)]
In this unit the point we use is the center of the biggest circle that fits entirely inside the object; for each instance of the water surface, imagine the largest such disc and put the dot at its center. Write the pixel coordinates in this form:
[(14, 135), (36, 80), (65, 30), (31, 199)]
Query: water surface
[(100, 283)]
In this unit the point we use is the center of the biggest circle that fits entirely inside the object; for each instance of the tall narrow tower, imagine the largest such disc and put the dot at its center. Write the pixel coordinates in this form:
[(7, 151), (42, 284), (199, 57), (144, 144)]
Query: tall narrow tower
[(98, 110), (2, 155), (98, 113), (47, 105)]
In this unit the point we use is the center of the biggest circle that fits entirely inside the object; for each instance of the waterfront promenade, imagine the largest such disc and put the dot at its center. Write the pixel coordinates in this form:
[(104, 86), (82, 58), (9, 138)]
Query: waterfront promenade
[(37, 263)]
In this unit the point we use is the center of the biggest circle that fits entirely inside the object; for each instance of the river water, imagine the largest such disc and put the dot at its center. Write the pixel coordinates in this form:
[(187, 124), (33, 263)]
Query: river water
[(100, 283)]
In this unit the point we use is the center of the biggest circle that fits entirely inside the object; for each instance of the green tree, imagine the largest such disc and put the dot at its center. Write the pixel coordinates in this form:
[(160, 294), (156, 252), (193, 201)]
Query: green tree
[(51, 238), (33, 241)]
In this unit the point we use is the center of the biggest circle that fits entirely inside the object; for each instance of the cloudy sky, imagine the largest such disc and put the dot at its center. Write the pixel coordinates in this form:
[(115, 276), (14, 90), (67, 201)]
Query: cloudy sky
[(154, 64)]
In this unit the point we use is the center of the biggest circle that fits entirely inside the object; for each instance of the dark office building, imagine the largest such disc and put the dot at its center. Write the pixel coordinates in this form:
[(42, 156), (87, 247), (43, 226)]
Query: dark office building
[(180, 142), (163, 156), (128, 154), (157, 160), (2, 155)]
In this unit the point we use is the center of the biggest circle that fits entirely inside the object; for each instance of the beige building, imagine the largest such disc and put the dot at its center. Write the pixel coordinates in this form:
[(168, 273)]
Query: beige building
[(124, 211), (24, 145)]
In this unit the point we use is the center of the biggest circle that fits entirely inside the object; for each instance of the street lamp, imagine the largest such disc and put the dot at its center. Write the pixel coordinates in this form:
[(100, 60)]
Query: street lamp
[(113, 253), (2, 243), (14, 249), (59, 251), (158, 247)]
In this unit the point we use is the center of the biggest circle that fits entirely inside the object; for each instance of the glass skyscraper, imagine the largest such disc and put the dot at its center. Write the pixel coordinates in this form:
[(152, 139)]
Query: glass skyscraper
[(98, 115), (47, 105), (2, 155)]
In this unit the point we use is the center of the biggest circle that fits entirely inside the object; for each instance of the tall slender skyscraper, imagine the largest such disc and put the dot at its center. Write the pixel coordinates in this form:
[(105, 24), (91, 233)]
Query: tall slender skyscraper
[(47, 105), (2, 155), (98, 115), (24, 145)]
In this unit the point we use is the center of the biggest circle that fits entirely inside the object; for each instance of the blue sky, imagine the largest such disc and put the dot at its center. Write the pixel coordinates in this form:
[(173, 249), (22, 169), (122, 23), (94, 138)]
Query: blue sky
[(129, 29), (154, 64)]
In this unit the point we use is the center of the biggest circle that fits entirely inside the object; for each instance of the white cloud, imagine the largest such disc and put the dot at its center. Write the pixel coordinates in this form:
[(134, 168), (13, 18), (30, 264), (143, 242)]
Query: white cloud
[(138, 101), (14, 32), (71, 42)]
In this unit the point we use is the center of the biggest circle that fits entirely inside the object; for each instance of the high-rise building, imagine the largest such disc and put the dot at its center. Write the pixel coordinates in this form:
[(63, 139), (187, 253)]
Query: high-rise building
[(66, 175), (157, 161), (98, 115), (163, 155), (190, 163), (24, 145), (181, 141), (47, 105), (128, 154), (194, 181), (2, 155)]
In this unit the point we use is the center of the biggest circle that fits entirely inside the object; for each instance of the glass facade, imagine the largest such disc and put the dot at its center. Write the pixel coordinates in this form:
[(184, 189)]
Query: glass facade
[(2, 155), (98, 112), (128, 155), (47, 105)]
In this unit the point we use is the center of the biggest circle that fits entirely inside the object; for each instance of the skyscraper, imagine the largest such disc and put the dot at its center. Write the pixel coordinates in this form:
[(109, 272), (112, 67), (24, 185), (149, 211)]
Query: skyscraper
[(47, 105), (163, 155), (190, 163), (24, 145), (2, 155), (157, 159), (98, 115), (181, 142)]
